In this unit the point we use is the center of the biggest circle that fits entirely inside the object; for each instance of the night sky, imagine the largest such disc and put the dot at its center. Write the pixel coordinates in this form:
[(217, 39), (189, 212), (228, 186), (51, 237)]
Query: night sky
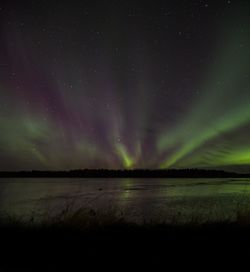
[(124, 84)]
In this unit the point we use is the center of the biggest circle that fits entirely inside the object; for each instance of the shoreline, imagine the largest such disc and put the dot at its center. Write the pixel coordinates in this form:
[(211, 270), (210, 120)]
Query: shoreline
[(135, 173)]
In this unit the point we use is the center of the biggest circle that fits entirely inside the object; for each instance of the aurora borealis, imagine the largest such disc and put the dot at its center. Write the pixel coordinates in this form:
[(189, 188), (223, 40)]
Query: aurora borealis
[(121, 84)]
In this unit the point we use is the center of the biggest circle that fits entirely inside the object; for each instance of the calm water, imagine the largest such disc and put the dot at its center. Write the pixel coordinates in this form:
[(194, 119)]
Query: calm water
[(134, 199)]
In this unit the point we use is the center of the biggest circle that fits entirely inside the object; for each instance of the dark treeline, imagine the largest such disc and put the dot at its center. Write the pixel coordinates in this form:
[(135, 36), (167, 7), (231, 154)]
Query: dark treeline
[(135, 173)]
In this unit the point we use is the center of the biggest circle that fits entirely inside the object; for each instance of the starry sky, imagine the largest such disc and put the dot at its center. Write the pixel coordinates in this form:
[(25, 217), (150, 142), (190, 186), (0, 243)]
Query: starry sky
[(125, 84)]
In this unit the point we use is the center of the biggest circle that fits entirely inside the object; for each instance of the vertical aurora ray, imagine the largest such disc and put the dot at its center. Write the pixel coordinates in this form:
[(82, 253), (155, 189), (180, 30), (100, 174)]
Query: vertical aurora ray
[(127, 160)]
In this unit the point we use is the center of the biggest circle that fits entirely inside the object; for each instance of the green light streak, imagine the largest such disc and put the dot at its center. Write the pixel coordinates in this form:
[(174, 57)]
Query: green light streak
[(21, 135), (238, 157), (127, 160)]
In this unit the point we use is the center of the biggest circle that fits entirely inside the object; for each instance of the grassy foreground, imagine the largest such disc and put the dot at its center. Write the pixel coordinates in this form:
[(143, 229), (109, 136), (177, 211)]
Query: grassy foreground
[(84, 241)]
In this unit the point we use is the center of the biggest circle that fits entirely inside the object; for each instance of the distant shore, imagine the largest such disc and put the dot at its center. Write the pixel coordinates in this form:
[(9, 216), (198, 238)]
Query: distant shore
[(135, 173)]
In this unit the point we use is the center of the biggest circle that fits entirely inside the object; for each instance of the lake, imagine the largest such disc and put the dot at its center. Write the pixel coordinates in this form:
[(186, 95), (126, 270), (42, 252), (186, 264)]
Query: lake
[(137, 200)]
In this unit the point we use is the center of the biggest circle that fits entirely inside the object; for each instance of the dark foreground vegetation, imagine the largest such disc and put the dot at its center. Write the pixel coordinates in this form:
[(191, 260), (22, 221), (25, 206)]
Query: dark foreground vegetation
[(135, 173), (75, 244)]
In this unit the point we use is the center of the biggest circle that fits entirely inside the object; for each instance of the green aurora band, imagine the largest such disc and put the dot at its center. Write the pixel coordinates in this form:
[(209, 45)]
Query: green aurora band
[(224, 107)]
